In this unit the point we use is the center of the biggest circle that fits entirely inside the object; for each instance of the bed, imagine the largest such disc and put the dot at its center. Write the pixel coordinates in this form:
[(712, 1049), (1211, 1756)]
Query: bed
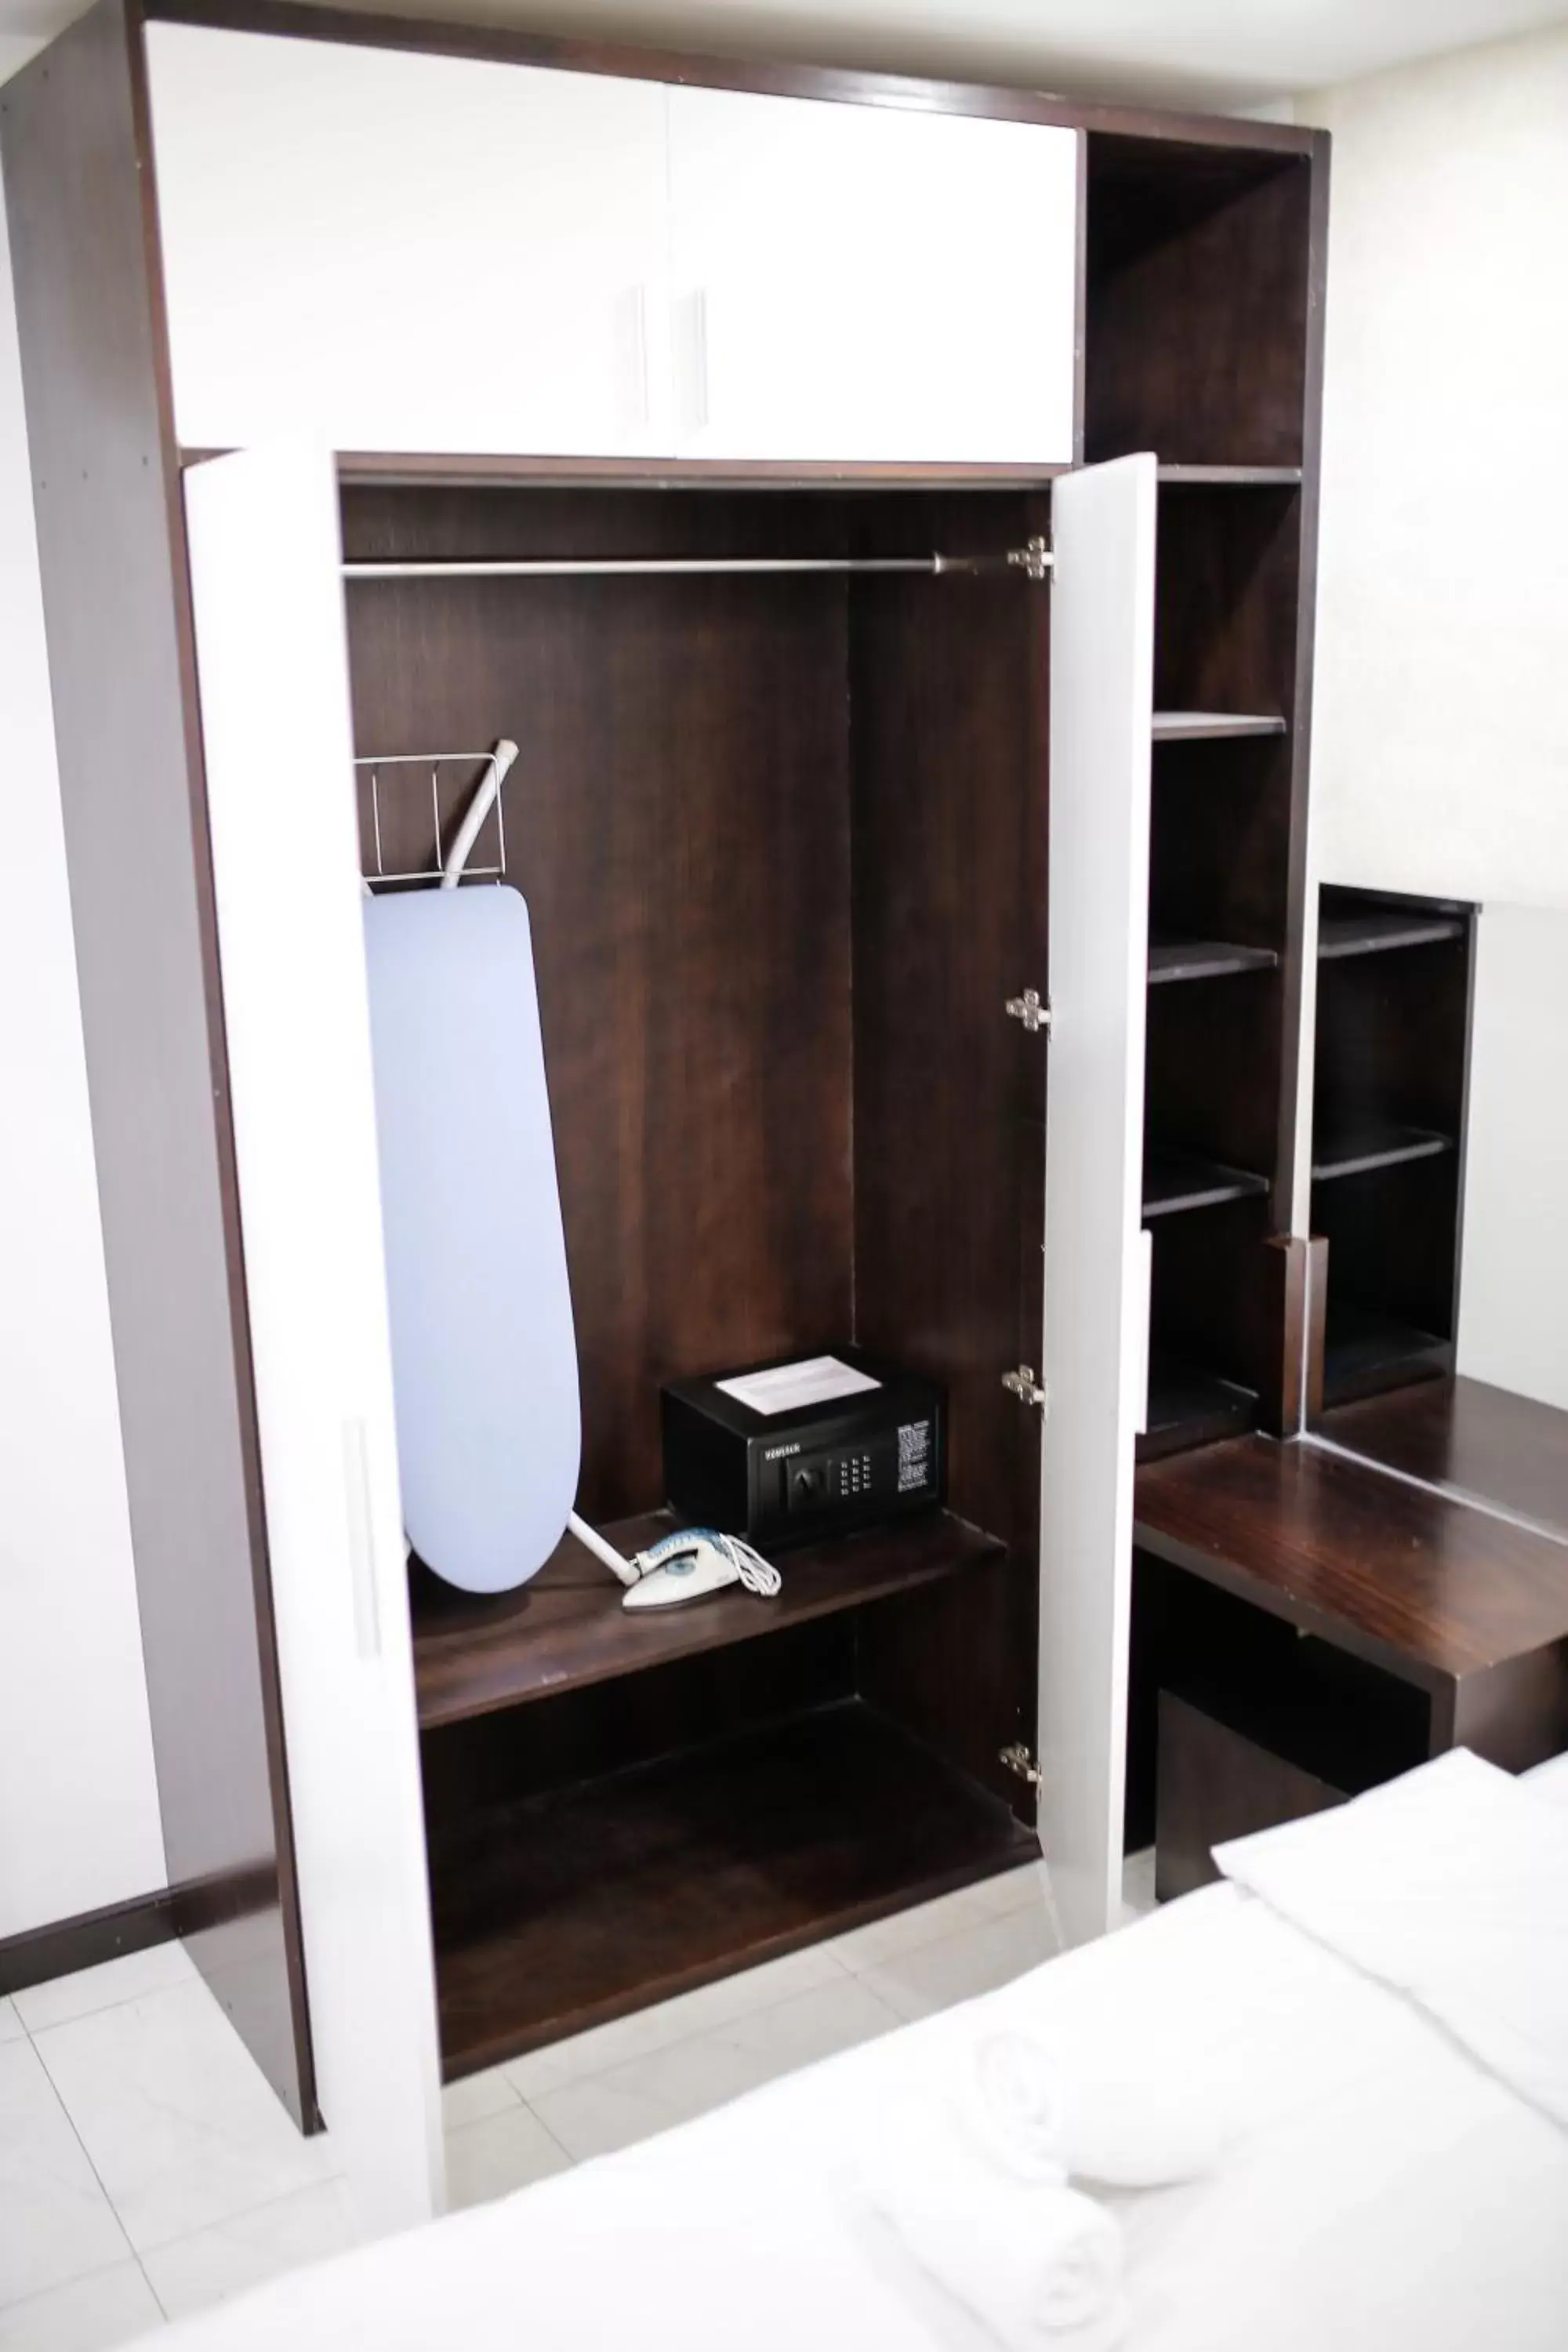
[(1372, 2013)]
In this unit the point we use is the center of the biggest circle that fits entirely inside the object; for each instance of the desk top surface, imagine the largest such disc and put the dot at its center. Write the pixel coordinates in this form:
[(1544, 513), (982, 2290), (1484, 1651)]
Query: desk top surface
[(1427, 1586), (1480, 1443)]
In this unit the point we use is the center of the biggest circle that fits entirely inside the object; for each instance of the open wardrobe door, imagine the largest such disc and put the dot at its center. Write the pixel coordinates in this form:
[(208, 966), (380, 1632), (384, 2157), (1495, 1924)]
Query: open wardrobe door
[(268, 599), (1096, 1272)]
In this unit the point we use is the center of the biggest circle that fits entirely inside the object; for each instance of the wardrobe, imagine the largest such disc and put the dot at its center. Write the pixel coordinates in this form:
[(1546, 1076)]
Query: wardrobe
[(883, 515)]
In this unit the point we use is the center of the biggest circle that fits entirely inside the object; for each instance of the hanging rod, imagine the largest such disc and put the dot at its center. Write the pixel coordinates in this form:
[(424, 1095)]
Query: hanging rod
[(1033, 559)]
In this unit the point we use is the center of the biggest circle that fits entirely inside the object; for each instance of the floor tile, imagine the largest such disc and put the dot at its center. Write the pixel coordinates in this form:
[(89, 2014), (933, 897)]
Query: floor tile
[(1029, 1887), (55, 2221), (664, 2087), (64, 1998), (1138, 1882), (11, 2025), (934, 1976), (212, 2264), (905, 1931), (690, 2013), (90, 2314), (181, 2127), (497, 2154), (476, 2096)]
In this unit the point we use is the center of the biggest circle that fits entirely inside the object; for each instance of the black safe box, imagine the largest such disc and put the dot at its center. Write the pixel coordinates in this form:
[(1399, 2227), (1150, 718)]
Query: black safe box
[(801, 1448)]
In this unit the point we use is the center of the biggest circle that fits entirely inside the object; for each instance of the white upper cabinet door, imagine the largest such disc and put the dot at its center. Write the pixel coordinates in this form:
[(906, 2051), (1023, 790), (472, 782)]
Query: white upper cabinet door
[(268, 602), (1096, 1259), (383, 251), (860, 283)]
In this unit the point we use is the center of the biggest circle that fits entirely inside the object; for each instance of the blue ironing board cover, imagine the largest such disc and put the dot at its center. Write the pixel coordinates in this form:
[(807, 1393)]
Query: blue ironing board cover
[(484, 1356)]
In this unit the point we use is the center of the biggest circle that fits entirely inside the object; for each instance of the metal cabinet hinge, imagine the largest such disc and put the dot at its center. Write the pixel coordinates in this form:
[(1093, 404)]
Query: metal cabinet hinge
[(1027, 1388), (1031, 1008), (1033, 559), (1018, 1758)]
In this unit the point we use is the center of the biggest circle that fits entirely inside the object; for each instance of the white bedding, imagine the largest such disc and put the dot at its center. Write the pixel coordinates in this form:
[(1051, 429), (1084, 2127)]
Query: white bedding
[(1379, 2189)]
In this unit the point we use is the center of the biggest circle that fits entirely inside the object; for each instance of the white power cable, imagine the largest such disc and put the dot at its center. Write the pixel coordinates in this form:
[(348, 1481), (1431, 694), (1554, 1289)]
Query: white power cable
[(757, 1574), (616, 1562)]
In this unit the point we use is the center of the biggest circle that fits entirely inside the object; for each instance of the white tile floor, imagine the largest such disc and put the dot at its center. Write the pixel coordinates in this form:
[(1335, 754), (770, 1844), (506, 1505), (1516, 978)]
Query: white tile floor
[(147, 2170)]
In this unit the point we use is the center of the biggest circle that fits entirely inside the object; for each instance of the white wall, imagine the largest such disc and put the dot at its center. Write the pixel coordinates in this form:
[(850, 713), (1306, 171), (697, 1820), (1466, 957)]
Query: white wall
[(78, 1806), (1440, 757), (1513, 1301)]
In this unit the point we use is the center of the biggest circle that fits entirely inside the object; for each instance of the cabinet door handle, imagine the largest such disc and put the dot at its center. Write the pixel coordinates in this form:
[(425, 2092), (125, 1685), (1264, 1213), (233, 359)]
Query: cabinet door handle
[(641, 393), (691, 358), (361, 1539), (1144, 1277)]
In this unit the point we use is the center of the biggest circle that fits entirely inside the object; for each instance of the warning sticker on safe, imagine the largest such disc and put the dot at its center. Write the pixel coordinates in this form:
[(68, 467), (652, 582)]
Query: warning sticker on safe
[(914, 1456), (786, 1387)]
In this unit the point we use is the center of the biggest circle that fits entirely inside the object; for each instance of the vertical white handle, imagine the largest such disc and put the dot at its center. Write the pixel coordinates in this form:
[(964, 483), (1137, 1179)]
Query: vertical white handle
[(691, 358), (1144, 1307), (361, 1539), (641, 398)]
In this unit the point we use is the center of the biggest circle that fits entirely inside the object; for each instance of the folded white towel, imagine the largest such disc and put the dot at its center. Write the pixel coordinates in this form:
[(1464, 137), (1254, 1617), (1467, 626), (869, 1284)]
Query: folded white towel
[(1010, 2103), (1037, 2263), (1038, 2115)]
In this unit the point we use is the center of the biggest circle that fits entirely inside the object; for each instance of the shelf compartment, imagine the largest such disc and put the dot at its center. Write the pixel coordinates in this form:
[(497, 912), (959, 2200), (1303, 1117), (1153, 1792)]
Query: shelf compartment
[(1173, 960), (1213, 726), (1178, 1181), (567, 1628), (1240, 477), (561, 1910), (1366, 1351), (1383, 1147), (1380, 929), (1188, 1407)]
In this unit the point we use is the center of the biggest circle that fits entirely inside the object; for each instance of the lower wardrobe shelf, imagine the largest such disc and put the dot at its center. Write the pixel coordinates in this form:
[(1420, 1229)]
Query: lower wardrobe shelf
[(556, 1912)]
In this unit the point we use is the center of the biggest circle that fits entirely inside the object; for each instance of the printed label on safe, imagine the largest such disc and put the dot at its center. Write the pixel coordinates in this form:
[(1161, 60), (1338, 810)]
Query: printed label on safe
[(914, 1456), (787, 1387)]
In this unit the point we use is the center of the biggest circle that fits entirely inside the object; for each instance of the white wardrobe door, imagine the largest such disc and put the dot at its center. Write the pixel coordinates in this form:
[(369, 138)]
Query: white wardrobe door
[(856, 282), (1096, 1280), (386, 251), (272, 657)]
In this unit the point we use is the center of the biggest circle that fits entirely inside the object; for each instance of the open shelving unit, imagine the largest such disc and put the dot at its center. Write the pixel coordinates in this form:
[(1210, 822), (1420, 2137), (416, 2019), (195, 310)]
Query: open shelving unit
[(1202, 343), (1390, 1080)]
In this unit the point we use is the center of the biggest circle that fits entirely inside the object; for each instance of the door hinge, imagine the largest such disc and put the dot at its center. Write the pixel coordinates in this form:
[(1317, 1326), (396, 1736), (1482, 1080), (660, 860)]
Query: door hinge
[(1031, 1008), (1033, 559), (1017, 1757), (1027, 1388)]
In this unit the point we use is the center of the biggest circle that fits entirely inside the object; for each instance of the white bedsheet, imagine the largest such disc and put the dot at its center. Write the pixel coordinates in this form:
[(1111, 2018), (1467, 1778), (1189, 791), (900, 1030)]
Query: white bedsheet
[(1451, 1886), (1379, 2190)]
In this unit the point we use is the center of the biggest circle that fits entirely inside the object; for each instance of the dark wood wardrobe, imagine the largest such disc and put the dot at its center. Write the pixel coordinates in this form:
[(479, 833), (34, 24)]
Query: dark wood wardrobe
[(790, 843)]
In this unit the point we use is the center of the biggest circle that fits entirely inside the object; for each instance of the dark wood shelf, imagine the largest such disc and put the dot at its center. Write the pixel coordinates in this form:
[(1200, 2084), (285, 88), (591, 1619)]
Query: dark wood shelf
[(559, 1911), (1384, 1146), (1365, 1352), (1188, 1407), (1211, 726), (1175, 1181), (1379, 930), (1205, 960), (567, 1628), (1240, 477)]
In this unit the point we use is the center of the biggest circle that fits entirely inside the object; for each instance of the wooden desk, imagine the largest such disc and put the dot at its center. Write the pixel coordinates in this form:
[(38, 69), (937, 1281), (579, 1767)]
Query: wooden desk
[(1467, 1607), (1479, 1444)]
